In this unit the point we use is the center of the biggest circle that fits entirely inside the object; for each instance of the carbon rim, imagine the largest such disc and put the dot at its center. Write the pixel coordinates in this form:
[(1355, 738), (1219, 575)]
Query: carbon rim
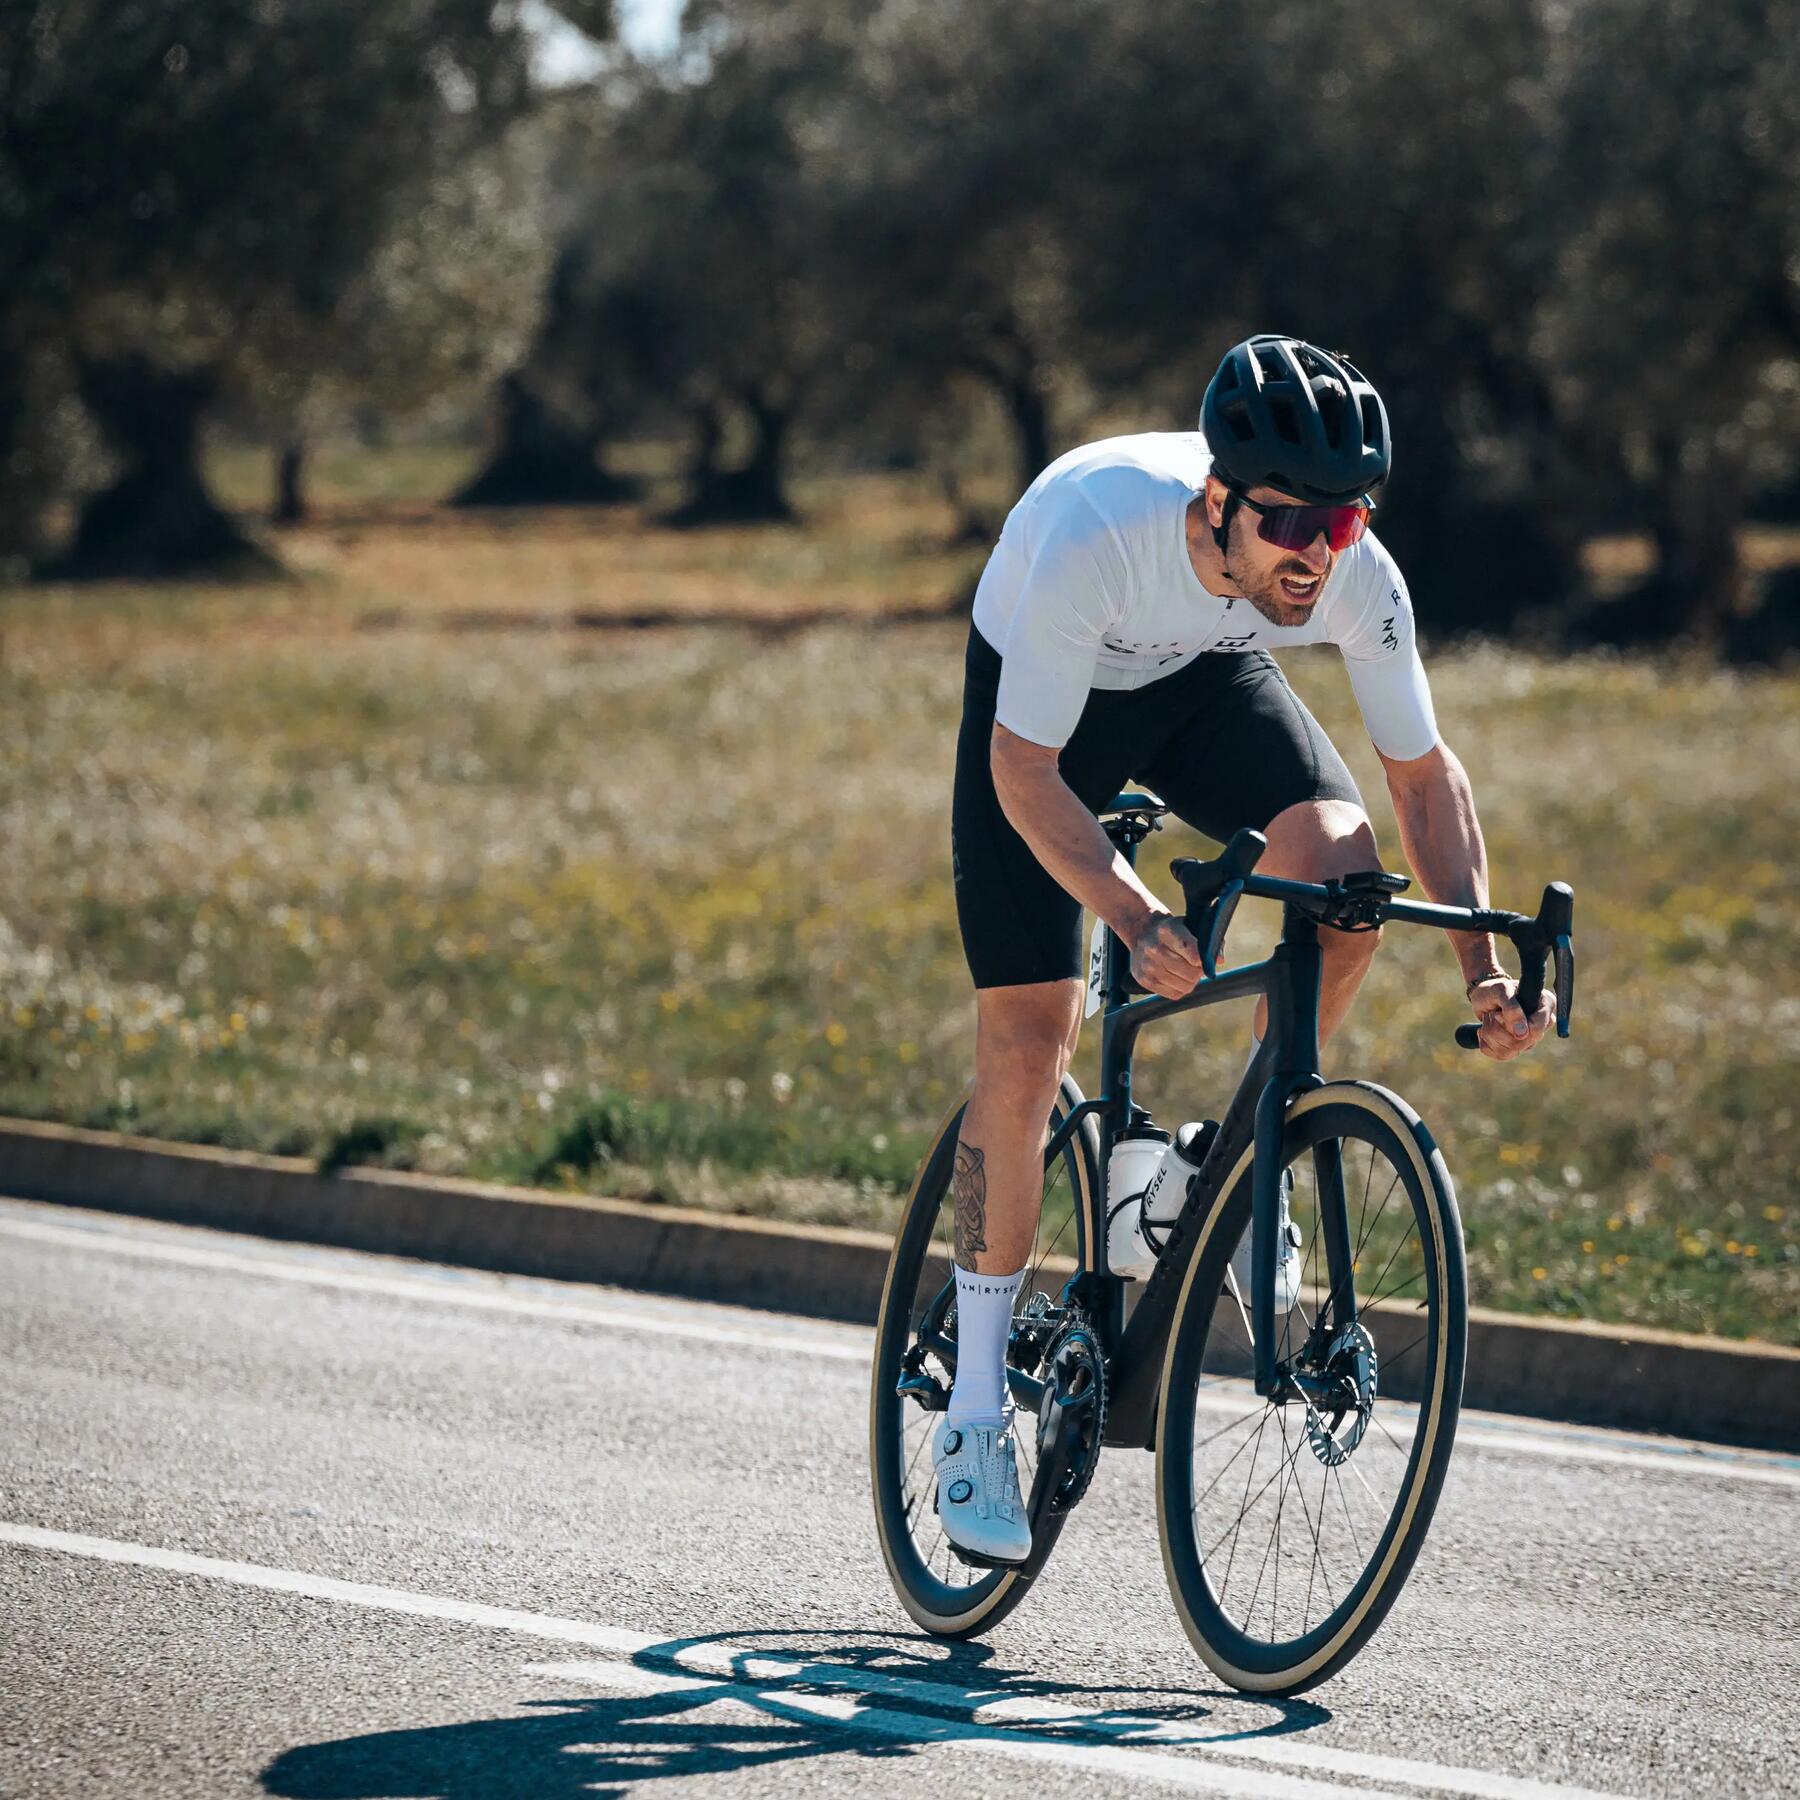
[(1288, 1529), (938, 1587)]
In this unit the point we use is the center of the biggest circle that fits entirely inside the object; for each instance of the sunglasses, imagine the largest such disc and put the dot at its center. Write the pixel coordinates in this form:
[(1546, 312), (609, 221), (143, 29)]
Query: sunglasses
[(1294, 527)]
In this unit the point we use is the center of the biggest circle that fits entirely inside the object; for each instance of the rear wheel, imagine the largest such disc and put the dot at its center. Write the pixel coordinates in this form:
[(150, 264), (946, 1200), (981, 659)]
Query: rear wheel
[(915, 1341), (1289, 1527)]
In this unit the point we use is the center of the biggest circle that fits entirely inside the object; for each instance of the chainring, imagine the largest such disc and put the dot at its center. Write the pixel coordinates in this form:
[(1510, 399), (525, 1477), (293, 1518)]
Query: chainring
[(1074, 1366)]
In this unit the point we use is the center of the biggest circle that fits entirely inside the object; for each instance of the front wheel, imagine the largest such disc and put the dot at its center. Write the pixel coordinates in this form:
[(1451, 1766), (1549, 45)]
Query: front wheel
[(915, 1343), (1289, 1525)]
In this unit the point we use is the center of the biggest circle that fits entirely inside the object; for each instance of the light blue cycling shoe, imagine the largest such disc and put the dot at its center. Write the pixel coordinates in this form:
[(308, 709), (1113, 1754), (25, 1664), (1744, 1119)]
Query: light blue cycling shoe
[(978, 1496)]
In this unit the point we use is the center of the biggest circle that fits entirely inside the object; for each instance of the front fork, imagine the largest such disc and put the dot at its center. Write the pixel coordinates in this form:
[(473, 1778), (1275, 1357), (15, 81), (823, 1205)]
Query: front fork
[(1294, 1025)]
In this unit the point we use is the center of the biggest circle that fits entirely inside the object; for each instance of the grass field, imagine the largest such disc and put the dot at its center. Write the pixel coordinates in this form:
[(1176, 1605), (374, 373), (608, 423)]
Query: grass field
[(301, 867)]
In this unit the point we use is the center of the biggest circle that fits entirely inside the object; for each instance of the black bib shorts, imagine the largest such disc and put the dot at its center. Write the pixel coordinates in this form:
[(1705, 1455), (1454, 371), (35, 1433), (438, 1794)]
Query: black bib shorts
[(1225, 741)]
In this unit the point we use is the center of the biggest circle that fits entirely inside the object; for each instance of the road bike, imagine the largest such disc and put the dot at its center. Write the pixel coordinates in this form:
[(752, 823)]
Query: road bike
[(1299, 1452)]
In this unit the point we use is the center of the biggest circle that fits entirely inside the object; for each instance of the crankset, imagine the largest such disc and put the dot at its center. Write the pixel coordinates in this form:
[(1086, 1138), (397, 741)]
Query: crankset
[(1072, 1417)]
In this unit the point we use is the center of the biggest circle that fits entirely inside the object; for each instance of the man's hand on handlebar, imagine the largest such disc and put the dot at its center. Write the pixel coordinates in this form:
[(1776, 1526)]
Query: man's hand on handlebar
[(1164, 957), (1505, 1032)]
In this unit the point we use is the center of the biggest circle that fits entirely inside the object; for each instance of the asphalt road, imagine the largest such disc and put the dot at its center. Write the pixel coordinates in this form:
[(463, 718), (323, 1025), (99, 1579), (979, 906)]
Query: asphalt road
[(285, 1521)]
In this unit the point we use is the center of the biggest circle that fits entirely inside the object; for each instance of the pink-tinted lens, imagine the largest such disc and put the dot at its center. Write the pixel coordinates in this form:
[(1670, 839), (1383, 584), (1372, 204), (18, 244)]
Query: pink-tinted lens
[(1294, 527)]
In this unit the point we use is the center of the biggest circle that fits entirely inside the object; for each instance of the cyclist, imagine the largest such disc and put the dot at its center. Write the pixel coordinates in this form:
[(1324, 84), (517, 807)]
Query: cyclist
[(1123, 629)]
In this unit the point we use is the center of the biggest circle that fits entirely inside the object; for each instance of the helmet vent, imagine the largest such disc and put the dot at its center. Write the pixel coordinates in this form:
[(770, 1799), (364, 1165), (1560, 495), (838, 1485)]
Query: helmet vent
[(1285, 413), (1333, 408)]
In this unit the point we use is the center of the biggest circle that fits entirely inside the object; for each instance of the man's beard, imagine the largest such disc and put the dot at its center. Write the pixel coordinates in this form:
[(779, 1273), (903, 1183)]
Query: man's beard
[(1266, 596), (1277, 607)]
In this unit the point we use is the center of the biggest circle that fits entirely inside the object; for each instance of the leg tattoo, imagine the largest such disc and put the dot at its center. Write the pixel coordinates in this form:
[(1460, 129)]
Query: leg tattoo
[(969, 1185)]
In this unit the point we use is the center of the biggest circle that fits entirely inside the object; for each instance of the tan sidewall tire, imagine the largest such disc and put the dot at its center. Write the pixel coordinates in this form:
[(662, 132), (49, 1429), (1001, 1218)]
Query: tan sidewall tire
[(992, 1603), (1428, 1165)]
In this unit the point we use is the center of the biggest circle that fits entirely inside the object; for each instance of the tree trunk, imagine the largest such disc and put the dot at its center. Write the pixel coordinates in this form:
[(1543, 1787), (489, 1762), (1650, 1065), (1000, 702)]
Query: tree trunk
[(973, 527), (1030, 415), (752, 495), (290, 494), (157, 519), (24, 463), (1011, 367), (542, 457), (765, 475), (1698, 581)]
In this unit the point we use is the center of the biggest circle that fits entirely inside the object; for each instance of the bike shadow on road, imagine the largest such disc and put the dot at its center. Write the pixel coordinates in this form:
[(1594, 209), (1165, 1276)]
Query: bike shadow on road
[(712, 1705)]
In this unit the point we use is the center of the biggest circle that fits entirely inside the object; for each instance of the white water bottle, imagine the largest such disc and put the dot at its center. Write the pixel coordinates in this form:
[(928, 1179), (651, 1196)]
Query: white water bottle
[(1140, 1221), (1137, 1157)]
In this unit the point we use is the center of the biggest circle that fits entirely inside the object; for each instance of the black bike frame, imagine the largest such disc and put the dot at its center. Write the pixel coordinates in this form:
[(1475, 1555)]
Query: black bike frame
[(1286, 1066)]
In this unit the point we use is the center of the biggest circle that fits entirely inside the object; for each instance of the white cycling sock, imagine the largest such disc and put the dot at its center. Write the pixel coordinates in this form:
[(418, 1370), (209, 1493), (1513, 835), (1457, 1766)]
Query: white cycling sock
[(984, 1306)]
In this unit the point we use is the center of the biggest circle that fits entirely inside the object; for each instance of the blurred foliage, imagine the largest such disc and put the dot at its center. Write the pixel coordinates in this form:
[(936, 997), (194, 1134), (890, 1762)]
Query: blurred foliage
[(204, 201), (1565, 241), (1563, 238)]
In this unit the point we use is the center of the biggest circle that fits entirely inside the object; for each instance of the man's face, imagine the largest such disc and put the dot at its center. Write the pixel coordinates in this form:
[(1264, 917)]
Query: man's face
[(1283, 585)]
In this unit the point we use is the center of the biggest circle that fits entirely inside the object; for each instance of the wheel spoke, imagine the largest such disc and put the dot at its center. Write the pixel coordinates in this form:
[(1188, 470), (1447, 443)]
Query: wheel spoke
[(1237, 1524), (1381, 1426), (1399, 1244), (1238, 1299), (1249, 1475), (1319, 1538), (1382, 1208), (1355, 1541), (1255, 1499), (1315, 1565), (1239, 1451), (1212, 1436), (1362, 1217)]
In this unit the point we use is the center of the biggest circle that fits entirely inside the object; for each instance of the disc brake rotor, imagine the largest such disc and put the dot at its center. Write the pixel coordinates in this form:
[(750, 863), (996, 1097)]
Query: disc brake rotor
[(1335, 1427)]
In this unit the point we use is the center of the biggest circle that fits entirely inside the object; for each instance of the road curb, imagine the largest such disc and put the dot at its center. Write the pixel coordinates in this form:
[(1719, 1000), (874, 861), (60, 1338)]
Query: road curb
[(1640, 1380)]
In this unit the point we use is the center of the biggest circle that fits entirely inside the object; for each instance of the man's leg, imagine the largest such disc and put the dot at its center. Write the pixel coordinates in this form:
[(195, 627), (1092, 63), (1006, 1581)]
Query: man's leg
[(1312, 842), (1024, 1037)]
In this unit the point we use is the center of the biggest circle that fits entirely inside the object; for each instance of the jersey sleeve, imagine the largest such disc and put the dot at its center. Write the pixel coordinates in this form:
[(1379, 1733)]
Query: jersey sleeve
[(1381, 653), (1072, 591)]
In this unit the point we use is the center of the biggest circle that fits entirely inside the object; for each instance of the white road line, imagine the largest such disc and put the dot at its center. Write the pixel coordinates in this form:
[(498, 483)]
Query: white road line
[(980, 1707), (857, 1699), (480, 1291)]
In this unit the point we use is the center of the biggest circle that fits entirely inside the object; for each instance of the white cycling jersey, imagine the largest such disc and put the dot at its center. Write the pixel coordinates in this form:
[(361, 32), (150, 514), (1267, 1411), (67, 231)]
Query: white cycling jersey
[(1091, 585)]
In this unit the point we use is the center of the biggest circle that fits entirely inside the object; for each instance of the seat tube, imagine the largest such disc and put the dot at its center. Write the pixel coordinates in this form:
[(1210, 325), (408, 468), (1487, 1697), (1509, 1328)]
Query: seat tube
[(1115, 1055)]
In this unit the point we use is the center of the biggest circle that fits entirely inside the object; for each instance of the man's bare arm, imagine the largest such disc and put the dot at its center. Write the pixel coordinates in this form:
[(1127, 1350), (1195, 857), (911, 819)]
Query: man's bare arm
[(1434, 807), (1069, 841)]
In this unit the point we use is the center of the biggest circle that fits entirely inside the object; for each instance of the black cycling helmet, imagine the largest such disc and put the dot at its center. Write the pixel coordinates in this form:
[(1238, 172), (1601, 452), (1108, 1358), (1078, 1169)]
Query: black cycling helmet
[(1285, 414)]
